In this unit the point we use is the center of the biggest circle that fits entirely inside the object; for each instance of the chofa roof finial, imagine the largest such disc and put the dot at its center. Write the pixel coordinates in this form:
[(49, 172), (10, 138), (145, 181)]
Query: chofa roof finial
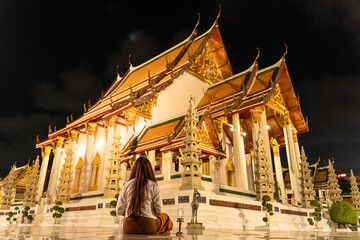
[(219, 13), (286, 49), (258, 54)]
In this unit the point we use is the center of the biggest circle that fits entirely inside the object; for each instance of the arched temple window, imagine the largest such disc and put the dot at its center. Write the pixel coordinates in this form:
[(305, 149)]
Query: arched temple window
[(229, 169), (95, 167), (78, 171)]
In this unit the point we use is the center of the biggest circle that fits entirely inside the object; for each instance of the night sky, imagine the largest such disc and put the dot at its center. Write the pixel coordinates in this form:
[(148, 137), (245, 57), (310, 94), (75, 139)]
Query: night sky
[(56, 55)]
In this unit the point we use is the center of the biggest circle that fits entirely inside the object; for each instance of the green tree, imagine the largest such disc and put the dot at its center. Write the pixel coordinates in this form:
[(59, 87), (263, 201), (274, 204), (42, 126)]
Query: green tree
[(276, 191), (317, 213), (113, 205), (58, 211), (343, 213), (269, 209), (11, 217)]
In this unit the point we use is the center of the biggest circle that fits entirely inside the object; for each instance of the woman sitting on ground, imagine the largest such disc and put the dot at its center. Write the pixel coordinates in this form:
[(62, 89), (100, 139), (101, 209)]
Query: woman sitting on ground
[(140, 202)]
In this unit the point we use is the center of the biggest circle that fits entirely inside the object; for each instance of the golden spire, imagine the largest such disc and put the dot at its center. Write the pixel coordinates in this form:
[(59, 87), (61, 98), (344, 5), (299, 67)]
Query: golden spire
[(55, 129), (102, 94), (130, 59), (197, 23), (85, 108), (67, 120), (37, 139), (71, 117), (286, 50), (258, 54), (89, 104), (219, 13), (50, 131)]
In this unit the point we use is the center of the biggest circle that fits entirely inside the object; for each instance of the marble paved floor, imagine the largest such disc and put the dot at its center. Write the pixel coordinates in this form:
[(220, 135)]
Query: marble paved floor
[(66, 233)]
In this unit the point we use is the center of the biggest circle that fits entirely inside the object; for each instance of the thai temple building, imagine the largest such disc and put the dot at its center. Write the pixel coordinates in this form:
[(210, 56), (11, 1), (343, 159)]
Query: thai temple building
[(201, 126)]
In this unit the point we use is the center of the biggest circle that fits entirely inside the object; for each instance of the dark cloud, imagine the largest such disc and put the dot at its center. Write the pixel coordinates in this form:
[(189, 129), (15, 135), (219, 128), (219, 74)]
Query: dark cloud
[(76, 86), (332, 107), (140, 44), (18, 137)]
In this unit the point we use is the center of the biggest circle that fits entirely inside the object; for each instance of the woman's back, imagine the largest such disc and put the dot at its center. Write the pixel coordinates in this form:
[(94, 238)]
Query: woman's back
[(151, 204), (140, 201)]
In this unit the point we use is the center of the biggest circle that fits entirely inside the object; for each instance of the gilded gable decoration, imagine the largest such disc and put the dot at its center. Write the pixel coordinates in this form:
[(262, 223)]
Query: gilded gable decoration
[(204, 66), (277, 103)]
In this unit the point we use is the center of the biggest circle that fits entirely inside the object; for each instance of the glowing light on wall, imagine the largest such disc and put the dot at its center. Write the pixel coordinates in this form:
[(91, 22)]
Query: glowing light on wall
[(82, 149), (99, 143), (139, 126)]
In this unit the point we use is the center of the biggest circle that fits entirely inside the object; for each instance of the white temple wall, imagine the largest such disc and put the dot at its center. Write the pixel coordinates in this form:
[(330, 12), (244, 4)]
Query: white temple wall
[(140, 123), (174, 100), (81, 149)]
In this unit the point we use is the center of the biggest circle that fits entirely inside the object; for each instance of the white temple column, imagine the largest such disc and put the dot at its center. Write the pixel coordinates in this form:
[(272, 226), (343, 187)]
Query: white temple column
[(241, 180), (278, 168), (86, 171), (222, 172), (255, 115), (265, 134), (212, 161), (166, 165), (43, 169), (109, 133), (291, 157), (55, 168), (151, 156), (297, 150), (250, 170)]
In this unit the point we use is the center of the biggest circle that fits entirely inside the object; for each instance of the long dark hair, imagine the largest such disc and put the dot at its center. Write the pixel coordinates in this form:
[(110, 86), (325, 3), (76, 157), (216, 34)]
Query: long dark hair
[(141, 173)]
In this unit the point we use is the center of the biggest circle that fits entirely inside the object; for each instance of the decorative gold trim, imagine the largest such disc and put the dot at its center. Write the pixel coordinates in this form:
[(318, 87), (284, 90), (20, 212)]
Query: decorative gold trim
[(255, 114), (277, 103), (144, 110), (95, 164), (91, 128), (219, 122), (275, 147), (74, 135), (59, 142), (45, 151)]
